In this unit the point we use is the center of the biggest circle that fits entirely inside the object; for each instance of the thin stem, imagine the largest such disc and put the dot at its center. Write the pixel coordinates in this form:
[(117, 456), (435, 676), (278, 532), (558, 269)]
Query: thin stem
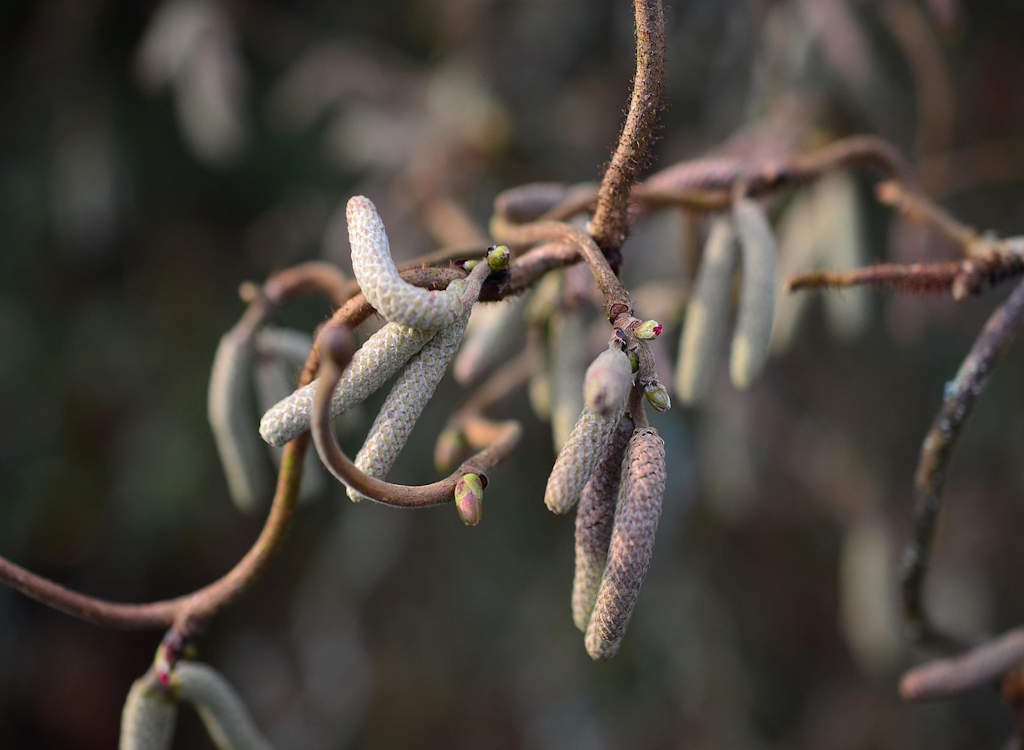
[(610, 224), (976, 668), (961, 394), (922, 210)]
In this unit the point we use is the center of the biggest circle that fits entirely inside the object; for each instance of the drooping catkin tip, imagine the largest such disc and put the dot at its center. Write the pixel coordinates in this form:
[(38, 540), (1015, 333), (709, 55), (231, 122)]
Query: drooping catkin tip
[(657, 396), (498, 257), (336, 343), (469, 499), (607, 382), (649, 329), (450, 444)]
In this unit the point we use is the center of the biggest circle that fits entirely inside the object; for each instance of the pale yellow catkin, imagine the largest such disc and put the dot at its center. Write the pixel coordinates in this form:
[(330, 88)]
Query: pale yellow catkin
[(797, 249), (227, 720), (707, 313), (492, 333), (594, 518), (752, 335), (384, 288), (229, 409), (380, 357), (148, 718), (637, 512), (413, 388), (567, 362), (274, 380), (840, 245)]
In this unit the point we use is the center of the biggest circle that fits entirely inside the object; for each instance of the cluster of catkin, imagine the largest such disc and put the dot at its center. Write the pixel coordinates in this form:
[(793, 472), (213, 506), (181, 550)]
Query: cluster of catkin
[(615, 472), (150, 712), (420, 338)]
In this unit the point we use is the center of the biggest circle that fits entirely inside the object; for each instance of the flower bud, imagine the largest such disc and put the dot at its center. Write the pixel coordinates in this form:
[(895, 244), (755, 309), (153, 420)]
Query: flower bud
[(498, 257), (634, 360), (469, 265), (607, 382), (649, 329), (469, 499), (657, 396), (449, 446)]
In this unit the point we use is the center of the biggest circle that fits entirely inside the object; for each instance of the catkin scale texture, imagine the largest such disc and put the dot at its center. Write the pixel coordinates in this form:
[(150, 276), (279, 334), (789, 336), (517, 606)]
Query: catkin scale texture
[(607, 381), (225, 717), (582, 450), (752, 335), (148, 718), (413, 388), (594, 518), (707, 313), (384, 288), (378, 359), (229, 409), (637, 512)]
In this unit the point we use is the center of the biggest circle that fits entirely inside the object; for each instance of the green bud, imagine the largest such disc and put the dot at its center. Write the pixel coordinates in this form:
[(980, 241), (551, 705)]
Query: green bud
[(657, 395), (649, 329), (634, 360), (469, 499), (498, 257), (469, 265), (450, 444)]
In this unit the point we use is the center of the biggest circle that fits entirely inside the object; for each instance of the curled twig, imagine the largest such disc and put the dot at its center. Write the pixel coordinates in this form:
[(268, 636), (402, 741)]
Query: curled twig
[(960, 396), (976, 668)]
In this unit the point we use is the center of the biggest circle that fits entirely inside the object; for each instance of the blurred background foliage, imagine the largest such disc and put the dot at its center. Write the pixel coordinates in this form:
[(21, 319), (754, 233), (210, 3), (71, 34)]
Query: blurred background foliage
[(153, 156)]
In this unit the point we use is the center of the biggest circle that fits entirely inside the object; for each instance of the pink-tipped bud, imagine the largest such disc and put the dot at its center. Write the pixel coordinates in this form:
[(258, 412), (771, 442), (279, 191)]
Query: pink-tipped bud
[(498, 257), (649, 329), (469, 499), (449, 446), (657, 396)]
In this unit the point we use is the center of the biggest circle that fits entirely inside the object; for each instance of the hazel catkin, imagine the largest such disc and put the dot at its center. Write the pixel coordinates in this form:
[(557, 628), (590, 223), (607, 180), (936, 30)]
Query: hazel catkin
[(594, 523), (752, 335), (637, 512), (384, 288)]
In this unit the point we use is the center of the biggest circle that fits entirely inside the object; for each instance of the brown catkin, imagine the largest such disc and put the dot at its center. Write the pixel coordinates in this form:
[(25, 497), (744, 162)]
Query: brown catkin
[(637, 512), (594, 523)]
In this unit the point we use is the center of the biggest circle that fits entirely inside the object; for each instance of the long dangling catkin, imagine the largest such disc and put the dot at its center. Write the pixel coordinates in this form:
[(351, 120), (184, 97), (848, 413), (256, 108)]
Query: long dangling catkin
[(148, 718), (567, 362), (384, 288), (583, 448), (229, 409), (797, 249), (380, 357), (840, 244), (490, 336), (594, 523), (757, 296), (275, 379), (707, 313), (403, 406), (637, 512), (225, 717)]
